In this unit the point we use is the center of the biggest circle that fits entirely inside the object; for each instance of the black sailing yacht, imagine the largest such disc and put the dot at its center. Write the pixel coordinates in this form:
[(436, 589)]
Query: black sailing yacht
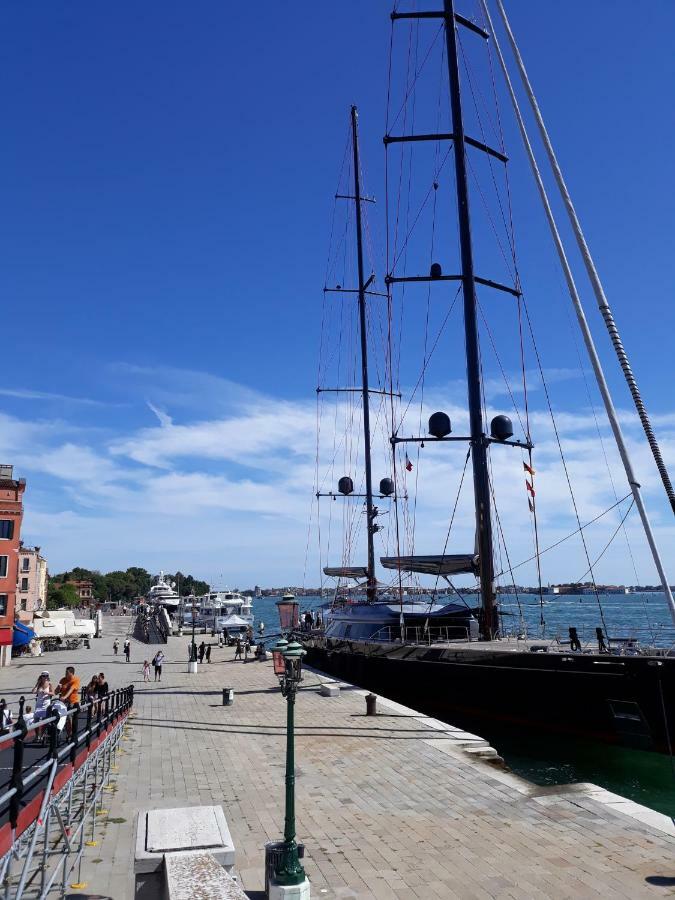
[(451, 659)]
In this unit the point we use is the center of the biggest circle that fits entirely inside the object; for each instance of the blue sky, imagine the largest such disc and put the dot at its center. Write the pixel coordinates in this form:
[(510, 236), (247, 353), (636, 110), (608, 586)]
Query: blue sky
[(167, 172)]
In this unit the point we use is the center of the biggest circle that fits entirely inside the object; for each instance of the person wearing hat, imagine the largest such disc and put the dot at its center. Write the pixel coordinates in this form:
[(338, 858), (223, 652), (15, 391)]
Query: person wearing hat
[(43, 695)]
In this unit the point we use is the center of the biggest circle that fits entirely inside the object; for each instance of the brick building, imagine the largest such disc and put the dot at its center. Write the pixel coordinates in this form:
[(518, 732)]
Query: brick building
[(11, 516), (85, 591), (31, 589)]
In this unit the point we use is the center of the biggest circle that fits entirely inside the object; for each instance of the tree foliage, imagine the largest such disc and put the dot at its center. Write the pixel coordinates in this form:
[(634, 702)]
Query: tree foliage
[(62, 595), (117, 586)]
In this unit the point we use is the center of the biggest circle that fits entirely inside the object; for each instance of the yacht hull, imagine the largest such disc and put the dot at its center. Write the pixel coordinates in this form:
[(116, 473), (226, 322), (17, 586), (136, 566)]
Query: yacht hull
[(620, 700)]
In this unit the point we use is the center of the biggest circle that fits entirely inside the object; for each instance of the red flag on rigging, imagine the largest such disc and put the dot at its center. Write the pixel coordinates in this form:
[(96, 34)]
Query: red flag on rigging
[(528, 469), (408, 464), (529, 487)]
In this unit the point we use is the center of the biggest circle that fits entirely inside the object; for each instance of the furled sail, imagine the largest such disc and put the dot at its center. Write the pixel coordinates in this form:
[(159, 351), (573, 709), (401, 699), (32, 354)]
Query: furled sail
[(446, 564), (345, 571)]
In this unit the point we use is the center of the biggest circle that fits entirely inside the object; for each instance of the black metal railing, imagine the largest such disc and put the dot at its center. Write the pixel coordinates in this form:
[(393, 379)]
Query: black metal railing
[(35, 752), (150, 629)]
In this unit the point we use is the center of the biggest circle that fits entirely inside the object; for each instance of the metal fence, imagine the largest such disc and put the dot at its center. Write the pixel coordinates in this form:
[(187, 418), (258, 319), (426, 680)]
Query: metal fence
[(50, 802), (414, 634)]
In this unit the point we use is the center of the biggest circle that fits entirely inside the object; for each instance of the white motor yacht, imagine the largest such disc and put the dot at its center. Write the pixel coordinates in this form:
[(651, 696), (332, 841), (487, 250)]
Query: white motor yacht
[(163, 593)]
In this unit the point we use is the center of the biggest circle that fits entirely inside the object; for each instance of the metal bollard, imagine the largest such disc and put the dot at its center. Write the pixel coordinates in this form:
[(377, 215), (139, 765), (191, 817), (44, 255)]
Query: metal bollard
[(371, 704), (228, 696)]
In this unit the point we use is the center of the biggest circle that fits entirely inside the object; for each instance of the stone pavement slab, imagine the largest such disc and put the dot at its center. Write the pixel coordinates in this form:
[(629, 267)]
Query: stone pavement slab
[(387, 806)]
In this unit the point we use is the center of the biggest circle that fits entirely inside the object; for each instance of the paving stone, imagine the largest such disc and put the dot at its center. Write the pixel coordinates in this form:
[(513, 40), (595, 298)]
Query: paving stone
[(388, 806)]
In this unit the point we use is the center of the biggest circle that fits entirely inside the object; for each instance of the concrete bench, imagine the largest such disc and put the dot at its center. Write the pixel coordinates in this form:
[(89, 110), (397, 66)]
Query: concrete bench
[(329, 690), (198, 876)]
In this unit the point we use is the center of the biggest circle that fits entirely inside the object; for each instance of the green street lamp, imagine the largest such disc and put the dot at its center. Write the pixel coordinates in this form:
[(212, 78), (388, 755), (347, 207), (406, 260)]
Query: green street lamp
[(288, 666)]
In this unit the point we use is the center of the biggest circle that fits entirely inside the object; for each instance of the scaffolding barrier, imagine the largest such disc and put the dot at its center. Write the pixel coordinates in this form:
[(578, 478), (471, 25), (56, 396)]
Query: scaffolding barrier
[(49, 805)]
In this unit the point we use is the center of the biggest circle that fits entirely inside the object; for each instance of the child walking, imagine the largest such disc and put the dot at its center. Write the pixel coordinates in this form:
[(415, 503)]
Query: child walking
[(146, 670)]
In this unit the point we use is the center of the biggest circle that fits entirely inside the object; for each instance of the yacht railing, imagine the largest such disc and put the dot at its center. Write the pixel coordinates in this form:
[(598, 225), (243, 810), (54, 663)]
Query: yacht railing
[(416, 634)]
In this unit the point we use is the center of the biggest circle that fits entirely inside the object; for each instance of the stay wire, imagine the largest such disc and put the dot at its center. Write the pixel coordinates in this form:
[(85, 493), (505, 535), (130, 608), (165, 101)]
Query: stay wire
[(609, 542), (564, 463), (571, 534)]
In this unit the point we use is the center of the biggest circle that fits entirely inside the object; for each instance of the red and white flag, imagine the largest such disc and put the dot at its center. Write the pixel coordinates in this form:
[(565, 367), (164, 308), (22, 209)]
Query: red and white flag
[(408, 464)]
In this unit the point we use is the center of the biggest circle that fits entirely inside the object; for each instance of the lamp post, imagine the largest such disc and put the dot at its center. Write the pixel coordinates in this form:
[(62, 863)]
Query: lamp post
[(288, 667)]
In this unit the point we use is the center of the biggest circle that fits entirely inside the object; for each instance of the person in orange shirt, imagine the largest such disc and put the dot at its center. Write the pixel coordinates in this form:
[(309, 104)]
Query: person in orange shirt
[(69, 687)]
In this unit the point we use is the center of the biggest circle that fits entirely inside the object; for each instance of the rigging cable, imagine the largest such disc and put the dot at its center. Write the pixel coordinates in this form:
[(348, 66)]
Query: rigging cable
[(454, 511), (564, 462), (571, 534), (390, 344), (583, 324), (609, 542), (591, 270)]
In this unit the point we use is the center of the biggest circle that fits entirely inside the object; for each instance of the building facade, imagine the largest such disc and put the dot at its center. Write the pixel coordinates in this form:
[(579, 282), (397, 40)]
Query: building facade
[(11, 517), (85, 591), (31, 589)]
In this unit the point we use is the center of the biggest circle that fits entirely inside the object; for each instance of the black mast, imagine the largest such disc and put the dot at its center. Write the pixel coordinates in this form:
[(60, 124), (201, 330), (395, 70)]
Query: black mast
[(481, 480), (371, 513)]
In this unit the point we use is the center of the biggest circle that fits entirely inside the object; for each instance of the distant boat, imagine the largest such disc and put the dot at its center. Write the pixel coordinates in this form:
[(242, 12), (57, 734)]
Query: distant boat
[(163, 593)]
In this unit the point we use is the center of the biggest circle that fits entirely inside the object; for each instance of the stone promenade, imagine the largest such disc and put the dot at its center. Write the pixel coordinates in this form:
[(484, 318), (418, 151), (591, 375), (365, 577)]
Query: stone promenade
[(388, 807)]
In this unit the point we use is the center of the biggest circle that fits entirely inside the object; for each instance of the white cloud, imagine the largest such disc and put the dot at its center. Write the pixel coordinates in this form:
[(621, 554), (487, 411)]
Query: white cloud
[(228, 495)]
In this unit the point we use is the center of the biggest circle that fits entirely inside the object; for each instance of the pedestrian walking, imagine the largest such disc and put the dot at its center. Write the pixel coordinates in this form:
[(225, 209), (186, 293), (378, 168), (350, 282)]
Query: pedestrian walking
[(146, 670), (116, 646), (157, 662), (226, 636), (202, 651), (127, 650), (238, 649), (208, 653)]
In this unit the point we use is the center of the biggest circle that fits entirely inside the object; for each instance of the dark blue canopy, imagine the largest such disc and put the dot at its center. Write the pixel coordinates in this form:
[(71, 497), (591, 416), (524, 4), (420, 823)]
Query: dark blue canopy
[(22, 635)]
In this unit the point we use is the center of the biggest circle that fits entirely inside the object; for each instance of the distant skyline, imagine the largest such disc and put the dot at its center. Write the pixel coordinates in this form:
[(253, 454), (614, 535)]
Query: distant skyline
[(167, 175)]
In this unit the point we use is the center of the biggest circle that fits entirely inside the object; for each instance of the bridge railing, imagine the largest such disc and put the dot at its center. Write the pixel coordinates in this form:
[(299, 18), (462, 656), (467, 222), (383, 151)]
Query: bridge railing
[(57, 739), (60, 767)]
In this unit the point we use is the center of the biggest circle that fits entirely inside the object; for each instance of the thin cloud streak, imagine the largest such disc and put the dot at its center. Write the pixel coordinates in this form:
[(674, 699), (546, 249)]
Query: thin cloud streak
[(234, 492)]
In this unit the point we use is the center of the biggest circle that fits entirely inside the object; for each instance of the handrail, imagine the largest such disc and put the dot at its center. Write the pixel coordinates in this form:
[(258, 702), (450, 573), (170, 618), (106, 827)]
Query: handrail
[(414, 634)]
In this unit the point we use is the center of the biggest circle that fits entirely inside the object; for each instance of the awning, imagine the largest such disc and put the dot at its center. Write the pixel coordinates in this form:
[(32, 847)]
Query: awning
[(22, 635), (346, 571), (232, 621), (447, 564)]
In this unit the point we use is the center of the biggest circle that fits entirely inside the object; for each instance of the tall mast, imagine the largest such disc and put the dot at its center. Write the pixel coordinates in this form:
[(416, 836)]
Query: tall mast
[(370, 510), (481, 479)]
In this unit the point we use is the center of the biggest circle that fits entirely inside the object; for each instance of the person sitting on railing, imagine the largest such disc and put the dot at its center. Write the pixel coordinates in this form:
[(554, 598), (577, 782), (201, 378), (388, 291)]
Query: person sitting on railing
[(5, 715), (68, 688), (91, 690), (102, 686), (28, 716), (59, 708), (43, 691)]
